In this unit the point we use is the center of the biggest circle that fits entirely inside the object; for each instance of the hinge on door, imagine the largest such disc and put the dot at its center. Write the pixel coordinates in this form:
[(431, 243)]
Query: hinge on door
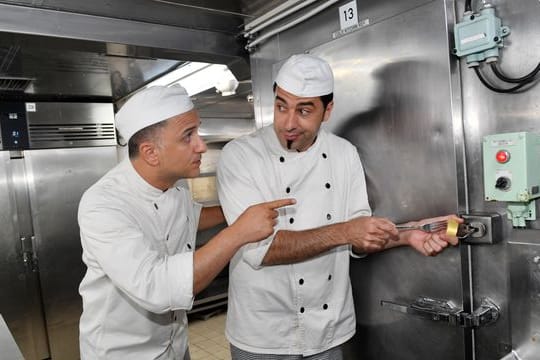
[(446, 311), (29, 258), (486, 314)]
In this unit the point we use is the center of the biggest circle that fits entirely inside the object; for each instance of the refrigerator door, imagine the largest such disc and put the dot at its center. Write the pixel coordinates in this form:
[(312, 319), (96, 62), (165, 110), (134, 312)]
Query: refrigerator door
[(384, 97), (20, 303), (59, 177)]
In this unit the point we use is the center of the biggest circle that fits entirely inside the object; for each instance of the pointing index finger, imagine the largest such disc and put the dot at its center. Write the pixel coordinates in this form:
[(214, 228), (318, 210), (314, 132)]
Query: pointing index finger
[(280, 203)]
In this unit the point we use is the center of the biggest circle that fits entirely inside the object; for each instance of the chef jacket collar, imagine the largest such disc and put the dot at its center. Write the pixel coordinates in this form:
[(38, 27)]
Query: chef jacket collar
[(142, 187), (275, 146)]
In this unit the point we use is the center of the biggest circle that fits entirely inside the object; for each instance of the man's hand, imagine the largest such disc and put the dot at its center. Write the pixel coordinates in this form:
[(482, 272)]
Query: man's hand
[(257, 221), (370, 234), (431, 244)]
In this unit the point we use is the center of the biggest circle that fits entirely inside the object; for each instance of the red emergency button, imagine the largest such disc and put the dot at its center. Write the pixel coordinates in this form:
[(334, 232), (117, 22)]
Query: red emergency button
[(502, 156)]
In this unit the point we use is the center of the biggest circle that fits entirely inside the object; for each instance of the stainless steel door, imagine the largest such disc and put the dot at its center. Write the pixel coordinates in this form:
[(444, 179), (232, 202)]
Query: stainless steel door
[(59, 178), (393, 84), (392, 90), (418, 116), (20, 299)]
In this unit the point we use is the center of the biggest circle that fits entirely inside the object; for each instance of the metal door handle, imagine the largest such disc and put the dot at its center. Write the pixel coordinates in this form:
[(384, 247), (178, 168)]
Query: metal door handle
[(28, 256), (446, 311)]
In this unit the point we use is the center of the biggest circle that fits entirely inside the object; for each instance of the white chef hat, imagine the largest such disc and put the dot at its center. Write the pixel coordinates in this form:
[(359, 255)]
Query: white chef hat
[(306, 75), (151, 106)]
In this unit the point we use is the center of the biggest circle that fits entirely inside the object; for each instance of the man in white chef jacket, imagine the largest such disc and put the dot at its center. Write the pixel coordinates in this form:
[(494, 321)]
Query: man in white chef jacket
[(290, 294), (138, 226)]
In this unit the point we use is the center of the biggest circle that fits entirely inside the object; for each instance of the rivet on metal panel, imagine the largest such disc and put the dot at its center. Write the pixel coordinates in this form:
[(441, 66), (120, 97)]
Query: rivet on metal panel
[(504, 348)]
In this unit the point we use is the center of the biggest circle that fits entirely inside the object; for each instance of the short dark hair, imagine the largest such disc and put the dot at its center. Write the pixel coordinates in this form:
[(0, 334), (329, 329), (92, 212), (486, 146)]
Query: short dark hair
[(326, 99), (149, 133)]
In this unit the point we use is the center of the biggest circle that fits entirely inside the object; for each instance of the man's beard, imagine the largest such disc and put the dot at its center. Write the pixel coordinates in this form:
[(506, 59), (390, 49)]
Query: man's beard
[(289, 144)]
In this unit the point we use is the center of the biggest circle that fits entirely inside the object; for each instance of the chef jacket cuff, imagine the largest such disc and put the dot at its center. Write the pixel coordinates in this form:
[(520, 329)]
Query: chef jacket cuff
[(180, 278), (355, 254), (254, 253)]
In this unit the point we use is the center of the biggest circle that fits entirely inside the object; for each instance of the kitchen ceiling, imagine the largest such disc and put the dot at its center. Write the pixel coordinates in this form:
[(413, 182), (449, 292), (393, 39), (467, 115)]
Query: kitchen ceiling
[(103, 50)]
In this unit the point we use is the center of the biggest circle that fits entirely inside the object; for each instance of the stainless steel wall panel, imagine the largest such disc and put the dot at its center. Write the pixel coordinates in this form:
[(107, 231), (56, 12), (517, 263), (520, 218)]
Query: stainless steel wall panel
[(224, 16), (401, 117), (192, 42), (490, 279), (58, 179), (486, 112), (305, 36), (262, 63), (524, 250)]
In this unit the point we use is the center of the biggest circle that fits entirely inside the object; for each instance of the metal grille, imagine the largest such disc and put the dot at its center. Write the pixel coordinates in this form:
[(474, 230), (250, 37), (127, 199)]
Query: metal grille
[(55, 132), (44, 135), (14, 83)]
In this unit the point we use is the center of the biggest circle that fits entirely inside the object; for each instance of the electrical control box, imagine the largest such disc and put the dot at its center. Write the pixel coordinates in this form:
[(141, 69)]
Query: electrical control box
[(512, 167), (479, 36), (13, 126)]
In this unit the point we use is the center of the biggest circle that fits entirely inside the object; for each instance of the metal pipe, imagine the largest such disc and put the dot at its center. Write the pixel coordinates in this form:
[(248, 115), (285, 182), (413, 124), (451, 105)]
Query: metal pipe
[(217, 11), (291, 24), (269, 14), (279, 16)]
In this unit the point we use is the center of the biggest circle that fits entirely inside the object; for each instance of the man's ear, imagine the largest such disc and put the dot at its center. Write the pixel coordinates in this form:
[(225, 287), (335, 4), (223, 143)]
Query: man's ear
[(328, 111), (148, 151)]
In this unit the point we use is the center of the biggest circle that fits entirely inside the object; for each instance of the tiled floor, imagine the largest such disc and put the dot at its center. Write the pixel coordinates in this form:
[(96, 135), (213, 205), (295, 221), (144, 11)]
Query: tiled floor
[(207, 338)]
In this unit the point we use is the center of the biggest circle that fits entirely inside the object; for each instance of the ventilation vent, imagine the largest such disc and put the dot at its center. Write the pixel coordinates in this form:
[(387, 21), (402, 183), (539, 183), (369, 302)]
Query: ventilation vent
[(66, 125), (71, 135), (14, 83)]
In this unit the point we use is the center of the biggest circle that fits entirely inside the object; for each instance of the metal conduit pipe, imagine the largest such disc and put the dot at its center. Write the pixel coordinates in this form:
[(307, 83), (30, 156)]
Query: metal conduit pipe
[(280, 15), (269, 14), (298, 20), (207, 9)]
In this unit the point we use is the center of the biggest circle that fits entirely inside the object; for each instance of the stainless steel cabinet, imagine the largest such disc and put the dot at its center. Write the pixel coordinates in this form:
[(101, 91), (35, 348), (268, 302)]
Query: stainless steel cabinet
[(40, 188)]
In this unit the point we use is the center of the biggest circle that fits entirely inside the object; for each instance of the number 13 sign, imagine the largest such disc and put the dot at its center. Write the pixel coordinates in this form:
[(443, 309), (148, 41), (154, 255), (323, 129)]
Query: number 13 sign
[(348, 15)]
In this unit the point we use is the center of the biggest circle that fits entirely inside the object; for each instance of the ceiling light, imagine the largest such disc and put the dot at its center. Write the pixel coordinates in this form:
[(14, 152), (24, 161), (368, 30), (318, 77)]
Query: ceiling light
[(197, 77)]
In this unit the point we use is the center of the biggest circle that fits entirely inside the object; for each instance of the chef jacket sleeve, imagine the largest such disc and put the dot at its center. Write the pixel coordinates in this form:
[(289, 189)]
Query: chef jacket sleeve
[(358, 204), (113, 241), (237, 190)]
